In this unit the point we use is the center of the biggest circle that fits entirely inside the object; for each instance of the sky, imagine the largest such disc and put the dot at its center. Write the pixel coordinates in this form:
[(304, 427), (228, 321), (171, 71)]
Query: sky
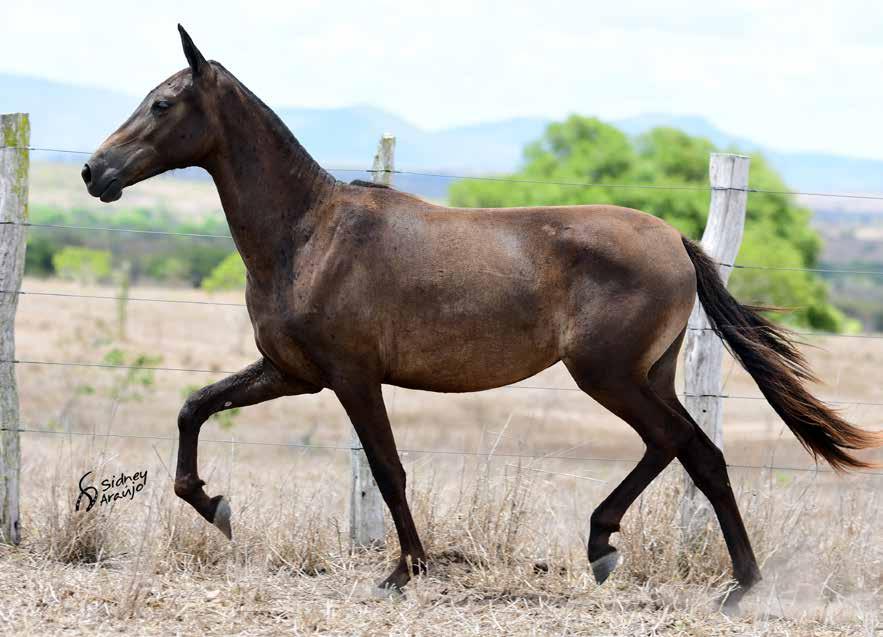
[(789, 75)]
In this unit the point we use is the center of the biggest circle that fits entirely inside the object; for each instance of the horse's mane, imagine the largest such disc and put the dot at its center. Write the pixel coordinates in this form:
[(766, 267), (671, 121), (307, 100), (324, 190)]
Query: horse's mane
[(369, 184), (277, 125)]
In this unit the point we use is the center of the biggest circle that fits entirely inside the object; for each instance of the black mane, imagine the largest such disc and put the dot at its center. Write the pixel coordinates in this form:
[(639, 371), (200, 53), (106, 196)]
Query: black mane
[(368, 184)]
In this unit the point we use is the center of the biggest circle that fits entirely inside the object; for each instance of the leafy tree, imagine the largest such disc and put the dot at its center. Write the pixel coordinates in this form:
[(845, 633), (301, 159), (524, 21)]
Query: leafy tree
[(82, 264), (584, 150), (229, 274), (38, 256), (173, 259)]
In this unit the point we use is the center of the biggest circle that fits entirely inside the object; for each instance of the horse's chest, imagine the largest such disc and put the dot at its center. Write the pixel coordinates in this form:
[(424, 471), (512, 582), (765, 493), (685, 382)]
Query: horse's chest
[(281, 336)]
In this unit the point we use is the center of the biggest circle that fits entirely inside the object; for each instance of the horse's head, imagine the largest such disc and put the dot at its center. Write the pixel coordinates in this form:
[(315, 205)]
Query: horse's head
[(173, 127)]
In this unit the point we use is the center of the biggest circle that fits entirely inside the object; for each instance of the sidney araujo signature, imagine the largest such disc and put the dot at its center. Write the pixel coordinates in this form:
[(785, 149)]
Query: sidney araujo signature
[(117, 487)]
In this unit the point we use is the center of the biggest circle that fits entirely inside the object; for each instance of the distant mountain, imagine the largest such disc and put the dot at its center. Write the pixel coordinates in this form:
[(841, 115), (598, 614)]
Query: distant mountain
[(817, 172), (692, 124), (76, 117)]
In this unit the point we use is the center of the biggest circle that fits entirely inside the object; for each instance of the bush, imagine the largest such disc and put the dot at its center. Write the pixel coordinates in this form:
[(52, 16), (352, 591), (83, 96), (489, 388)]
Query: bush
[(228, 275), (82, 264), (173, 259)]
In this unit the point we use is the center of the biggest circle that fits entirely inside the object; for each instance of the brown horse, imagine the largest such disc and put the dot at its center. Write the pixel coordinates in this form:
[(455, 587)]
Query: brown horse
[(351, 286)]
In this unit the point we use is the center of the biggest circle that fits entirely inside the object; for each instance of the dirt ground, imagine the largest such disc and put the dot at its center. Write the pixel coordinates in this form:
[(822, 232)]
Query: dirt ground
[(506, 534)]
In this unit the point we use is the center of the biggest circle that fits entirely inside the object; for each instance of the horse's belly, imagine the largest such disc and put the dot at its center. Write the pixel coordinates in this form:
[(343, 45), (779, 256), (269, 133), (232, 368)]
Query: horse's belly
[(471, 360)]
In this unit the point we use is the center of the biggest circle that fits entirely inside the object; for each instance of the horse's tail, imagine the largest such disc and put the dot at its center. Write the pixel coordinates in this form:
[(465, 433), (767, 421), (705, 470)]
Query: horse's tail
[(769, 353)]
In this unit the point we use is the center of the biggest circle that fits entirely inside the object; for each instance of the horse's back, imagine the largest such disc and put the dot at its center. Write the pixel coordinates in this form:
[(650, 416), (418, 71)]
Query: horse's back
[(466, 299)]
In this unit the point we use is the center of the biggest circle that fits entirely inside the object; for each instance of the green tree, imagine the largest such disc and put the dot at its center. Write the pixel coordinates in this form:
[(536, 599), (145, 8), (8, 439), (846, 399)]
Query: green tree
[(82, 264), (229, 274), (586, 150)]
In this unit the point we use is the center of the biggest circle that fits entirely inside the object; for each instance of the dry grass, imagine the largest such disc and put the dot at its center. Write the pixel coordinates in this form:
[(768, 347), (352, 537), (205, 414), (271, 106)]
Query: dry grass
[(506, 537), (506, 554)]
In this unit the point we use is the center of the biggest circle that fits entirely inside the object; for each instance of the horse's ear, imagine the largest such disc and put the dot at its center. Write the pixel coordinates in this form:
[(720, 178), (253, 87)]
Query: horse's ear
[(194, 57)]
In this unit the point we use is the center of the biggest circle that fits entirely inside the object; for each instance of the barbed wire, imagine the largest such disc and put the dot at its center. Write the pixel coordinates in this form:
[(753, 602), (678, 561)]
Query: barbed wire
[(104, 297), (58, 226), (578, 184), (461, 453), (74, 295), (405, 450), (17, 361), (873, 337), (791, 269), (229, 237)]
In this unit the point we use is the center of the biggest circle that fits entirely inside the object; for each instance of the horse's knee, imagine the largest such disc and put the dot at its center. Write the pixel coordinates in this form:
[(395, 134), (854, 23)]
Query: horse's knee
[(188, 416)]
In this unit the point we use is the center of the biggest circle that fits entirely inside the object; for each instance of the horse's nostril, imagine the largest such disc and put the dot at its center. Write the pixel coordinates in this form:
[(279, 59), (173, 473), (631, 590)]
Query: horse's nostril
[(86, 174)]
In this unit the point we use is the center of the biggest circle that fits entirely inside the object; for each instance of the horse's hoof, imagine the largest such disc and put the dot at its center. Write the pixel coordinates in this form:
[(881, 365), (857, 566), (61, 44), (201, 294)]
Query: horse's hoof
[(730, 603), (604, 566), (731, 608), (222, 517), (388, 592)]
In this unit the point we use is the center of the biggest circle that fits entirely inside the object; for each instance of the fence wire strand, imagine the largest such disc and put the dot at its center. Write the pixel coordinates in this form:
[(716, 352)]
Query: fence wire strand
[(57, 226), (403, 451), (17, 361), (105, 297), (74, 295), (736, 266), (672, 187), (577, 184)]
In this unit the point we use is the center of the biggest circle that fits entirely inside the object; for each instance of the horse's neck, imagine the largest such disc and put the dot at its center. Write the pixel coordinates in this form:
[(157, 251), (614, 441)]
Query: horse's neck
[(269, 186)]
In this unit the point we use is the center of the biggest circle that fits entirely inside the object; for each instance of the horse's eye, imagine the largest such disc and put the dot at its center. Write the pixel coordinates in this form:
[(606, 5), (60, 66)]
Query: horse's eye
[(161, 105)]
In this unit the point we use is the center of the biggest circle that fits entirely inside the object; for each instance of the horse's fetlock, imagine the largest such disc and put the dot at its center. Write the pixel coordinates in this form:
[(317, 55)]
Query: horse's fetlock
[(187, 486), (600, 523)]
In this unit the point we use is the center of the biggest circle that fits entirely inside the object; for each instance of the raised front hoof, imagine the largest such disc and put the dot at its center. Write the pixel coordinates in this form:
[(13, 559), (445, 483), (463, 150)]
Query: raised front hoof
[(222, 516), (604, 566)]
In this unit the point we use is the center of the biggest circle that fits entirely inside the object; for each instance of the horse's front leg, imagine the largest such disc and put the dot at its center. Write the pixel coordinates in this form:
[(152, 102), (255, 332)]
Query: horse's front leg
[(364, 406), (256, 383)]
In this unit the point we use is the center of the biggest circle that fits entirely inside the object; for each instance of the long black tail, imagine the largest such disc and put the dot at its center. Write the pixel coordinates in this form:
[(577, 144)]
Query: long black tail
[(768, 352)]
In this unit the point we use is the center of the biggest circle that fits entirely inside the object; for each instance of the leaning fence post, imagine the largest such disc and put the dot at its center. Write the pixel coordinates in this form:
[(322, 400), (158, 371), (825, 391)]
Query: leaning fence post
[(703, 350), (366, 503), (14, 160)]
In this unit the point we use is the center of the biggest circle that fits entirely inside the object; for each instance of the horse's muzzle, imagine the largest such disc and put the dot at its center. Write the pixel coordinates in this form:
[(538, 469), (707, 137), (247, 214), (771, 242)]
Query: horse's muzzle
[(101, 181)]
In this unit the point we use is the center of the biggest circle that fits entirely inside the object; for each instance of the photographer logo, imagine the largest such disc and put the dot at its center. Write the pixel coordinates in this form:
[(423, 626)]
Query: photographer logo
[(118, 487)]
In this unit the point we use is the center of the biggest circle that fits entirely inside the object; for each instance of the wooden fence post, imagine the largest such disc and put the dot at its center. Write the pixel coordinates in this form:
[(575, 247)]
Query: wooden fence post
[(703, 350), (384, 160), (14, 160), (366, 504)]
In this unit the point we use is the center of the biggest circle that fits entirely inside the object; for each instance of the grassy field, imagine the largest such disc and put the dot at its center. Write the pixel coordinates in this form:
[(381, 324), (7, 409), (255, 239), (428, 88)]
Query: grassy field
[(506, 535), (60, 185)]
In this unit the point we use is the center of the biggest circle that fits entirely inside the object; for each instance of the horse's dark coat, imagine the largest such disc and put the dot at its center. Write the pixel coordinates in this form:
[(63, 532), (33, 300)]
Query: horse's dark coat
[(350, 287)]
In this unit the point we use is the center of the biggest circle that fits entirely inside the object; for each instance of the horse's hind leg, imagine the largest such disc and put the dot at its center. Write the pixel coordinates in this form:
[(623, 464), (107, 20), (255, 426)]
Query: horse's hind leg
[(634, 397), (663, 433), (256, 383), (705, 463)]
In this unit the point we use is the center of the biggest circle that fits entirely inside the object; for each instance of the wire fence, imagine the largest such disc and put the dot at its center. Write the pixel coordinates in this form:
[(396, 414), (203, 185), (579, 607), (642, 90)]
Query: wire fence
[(107, 297), (407, 450), (847, 403), (738, 266), (523, 456), (576, 184)]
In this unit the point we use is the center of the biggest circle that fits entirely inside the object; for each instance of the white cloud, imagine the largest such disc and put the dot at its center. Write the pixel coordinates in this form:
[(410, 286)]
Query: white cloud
[(800, 75)]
